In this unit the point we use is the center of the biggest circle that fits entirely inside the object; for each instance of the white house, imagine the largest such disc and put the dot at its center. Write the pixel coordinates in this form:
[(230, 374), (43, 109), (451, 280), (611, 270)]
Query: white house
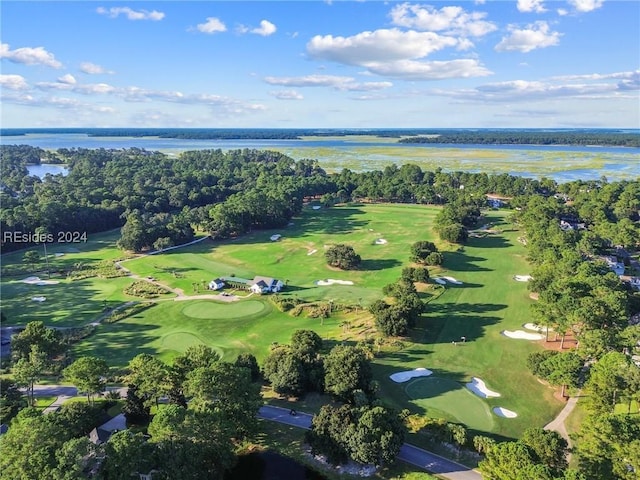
[(216, 284), (265, 285)]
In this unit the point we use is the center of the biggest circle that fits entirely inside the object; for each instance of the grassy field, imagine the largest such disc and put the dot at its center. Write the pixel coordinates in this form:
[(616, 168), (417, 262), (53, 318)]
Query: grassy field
[(488, 302)]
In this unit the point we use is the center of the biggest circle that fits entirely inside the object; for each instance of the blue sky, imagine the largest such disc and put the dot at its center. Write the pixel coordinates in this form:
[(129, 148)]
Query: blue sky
[(366, 64)]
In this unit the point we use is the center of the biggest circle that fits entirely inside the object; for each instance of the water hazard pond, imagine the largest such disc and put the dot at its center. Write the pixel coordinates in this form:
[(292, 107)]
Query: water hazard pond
[(270, 466)]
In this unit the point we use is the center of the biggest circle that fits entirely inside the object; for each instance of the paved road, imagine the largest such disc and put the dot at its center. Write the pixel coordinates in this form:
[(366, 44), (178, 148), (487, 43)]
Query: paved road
[(408, 453)]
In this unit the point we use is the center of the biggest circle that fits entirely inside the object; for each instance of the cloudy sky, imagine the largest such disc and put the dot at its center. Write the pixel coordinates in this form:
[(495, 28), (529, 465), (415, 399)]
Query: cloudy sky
[(365, 64)]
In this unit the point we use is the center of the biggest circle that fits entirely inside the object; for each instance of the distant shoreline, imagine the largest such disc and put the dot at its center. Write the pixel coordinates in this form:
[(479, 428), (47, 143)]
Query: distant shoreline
[(463, 136)]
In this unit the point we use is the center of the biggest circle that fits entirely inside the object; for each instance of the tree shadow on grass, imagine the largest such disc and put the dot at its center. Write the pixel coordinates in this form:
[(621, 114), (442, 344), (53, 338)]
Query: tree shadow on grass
[(378, 264), (462, 262), (490, 241), (458, 320)]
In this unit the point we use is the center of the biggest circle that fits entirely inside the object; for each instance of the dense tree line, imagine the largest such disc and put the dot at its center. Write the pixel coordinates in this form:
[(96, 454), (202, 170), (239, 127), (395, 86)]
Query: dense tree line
[(529, 137)]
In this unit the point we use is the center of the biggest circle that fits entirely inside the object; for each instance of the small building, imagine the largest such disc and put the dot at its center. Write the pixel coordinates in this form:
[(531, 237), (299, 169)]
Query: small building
[(265, 285), (216, 284), (99, 436)]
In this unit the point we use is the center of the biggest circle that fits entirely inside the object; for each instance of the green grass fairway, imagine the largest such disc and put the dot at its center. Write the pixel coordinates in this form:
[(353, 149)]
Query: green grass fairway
[(165, 330), (291, 260), (445, 398), (211, 310)]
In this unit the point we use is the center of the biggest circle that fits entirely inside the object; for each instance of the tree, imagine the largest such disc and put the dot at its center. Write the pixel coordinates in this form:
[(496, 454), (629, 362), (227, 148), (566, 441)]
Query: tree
[(126, 454), (285, 371), (74, 459), (249, 361), (35, 333), (11, 400), (31, 257), (548, 447), (27, 371), (135, 409), (150, 376), (347, 370), (88, 374), (511, 461), (342, 256), (377, 436), (421, 250), (607, 382), (564, 369), (227, 390), (454, 233)]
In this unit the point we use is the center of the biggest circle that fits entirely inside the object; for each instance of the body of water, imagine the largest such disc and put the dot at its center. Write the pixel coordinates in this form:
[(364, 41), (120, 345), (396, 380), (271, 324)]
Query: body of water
[(270, 466), (559, 162), (47, 168)]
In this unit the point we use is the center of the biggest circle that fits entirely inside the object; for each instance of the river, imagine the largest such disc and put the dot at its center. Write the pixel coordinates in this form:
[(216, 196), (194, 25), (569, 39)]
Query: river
[(559, 162)]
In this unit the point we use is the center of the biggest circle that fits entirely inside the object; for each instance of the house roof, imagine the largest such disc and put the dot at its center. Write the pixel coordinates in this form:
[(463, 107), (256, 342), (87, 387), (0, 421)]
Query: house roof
[(236, 279), (99, 435), (268, 281)]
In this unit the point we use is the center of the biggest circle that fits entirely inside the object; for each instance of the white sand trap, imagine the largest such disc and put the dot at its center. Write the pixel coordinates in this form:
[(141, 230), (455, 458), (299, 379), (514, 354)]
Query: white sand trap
[(59, 254), (440, 281), (38, 281), (478, 387), (276, 237), (503, 412), (522, 278), (38, 299), (522, 335), (316, 207), (537, 328), (312, 252), (452, 280), (409, 374), (331, 281), (380, 241)]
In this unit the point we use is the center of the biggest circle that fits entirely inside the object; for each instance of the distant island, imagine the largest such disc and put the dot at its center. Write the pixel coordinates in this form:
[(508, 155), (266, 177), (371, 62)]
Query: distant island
[(599, 137)]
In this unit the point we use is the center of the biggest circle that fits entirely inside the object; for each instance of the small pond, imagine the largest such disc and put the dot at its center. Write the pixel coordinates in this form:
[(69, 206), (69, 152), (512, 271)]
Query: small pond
[(270, 466)]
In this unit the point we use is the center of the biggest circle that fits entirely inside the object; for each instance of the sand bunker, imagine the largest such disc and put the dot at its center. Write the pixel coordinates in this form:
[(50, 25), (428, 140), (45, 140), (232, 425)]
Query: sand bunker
[(443, 280), (316, 207), (59, 254), (275, 237), (409, 374), (522, 335), (478, 387), (537, 328), (38, 299), (452, 280), (380, 241), (331, 281), (312, 252), (522, 278), (503, 412), (38, 281)]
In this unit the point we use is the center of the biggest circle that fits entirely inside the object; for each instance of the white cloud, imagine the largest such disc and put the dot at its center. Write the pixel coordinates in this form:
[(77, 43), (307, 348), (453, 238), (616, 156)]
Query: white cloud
[(93, 69), (13, 82), (333, 81), (378, 46), (436, 70), (562, 12), (536, 35), (287, 95), (265, 29), (131, 14), (585, 5), (600, 76), (29, 56), (68, 79), (451, 20), (527, 90), (536, 6), (212, 25)]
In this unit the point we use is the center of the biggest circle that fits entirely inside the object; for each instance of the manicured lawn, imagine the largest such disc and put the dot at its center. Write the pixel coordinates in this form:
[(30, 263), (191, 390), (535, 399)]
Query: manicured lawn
[(488, 302), (291, 259), (165, 330), (451, 400)]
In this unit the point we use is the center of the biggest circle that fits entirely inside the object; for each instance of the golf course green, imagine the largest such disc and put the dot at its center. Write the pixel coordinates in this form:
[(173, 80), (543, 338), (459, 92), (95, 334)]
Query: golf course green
[(486, 302)]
